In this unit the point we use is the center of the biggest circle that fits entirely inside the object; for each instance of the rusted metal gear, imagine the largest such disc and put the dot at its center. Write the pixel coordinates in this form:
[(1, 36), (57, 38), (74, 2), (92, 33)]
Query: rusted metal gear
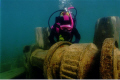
[(77, 61), (69, 61), (110, 60), (106, 62), (51, 63), (116, 63), (37, 58)]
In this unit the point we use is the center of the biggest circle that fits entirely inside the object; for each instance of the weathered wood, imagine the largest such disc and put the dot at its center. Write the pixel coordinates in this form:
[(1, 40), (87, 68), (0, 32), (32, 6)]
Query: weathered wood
[(42, 40), (11, 74), (107, 27)]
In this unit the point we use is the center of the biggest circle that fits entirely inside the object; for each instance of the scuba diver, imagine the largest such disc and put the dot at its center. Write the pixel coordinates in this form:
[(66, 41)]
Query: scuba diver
[(64, 27)]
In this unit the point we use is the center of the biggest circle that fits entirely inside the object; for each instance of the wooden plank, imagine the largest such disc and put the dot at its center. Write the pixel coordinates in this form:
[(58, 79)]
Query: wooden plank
[(42, 40), (106, 27), (11, 74)]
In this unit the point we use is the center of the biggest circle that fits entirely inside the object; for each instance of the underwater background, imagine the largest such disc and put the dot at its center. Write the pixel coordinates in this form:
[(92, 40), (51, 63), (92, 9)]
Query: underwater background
[(19, 18)]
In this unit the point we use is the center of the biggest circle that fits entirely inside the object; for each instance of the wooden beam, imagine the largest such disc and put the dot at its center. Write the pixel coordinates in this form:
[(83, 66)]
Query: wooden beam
[(11, 74)]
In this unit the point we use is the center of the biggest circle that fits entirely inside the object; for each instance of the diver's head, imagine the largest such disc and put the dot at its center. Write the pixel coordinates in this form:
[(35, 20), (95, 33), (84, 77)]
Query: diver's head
[(65, 31), (66, 27)]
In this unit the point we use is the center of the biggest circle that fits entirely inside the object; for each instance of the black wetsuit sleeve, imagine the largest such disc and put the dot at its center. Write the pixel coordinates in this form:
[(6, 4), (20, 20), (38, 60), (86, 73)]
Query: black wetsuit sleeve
[(52, 35), (53, 31), (77, 35)]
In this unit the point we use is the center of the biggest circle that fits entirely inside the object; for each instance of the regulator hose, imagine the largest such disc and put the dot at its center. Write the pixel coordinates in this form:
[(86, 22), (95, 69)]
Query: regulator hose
[(62, 10), (51, 15)]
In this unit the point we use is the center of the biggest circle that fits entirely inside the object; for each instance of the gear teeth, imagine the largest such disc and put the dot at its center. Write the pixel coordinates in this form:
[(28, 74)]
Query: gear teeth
[(71, 62), (66, 77), (68, 69), (69, 72)]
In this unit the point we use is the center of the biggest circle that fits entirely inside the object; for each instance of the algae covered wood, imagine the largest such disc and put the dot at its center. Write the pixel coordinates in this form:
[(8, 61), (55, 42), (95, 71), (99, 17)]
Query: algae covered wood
[(106, 27), (13, 73), (42, 40)]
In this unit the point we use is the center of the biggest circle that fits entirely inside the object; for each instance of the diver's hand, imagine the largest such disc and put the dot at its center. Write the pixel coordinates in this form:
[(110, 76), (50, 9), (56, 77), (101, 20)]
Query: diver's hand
[(76, 41)]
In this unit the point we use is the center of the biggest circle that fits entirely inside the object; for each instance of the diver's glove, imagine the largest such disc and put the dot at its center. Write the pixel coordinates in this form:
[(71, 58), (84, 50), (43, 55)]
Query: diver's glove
[(76, 41)]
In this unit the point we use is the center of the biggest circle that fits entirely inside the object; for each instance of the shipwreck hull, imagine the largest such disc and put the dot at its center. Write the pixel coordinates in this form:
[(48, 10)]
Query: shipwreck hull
[(64, 60)]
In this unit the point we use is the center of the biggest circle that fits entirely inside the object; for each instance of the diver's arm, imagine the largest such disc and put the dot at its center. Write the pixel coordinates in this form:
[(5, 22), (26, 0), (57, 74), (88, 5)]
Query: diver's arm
[(51, 37), (77, 35)]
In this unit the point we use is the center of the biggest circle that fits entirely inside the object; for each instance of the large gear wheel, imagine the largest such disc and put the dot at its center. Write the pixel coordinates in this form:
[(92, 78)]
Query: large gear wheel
[(70, 61), (66, 61), (48, 64), (77, 61), (110, 60)]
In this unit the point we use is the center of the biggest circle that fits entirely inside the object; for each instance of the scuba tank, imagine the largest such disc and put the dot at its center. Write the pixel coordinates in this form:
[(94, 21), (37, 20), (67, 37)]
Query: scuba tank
[(64, 13)]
